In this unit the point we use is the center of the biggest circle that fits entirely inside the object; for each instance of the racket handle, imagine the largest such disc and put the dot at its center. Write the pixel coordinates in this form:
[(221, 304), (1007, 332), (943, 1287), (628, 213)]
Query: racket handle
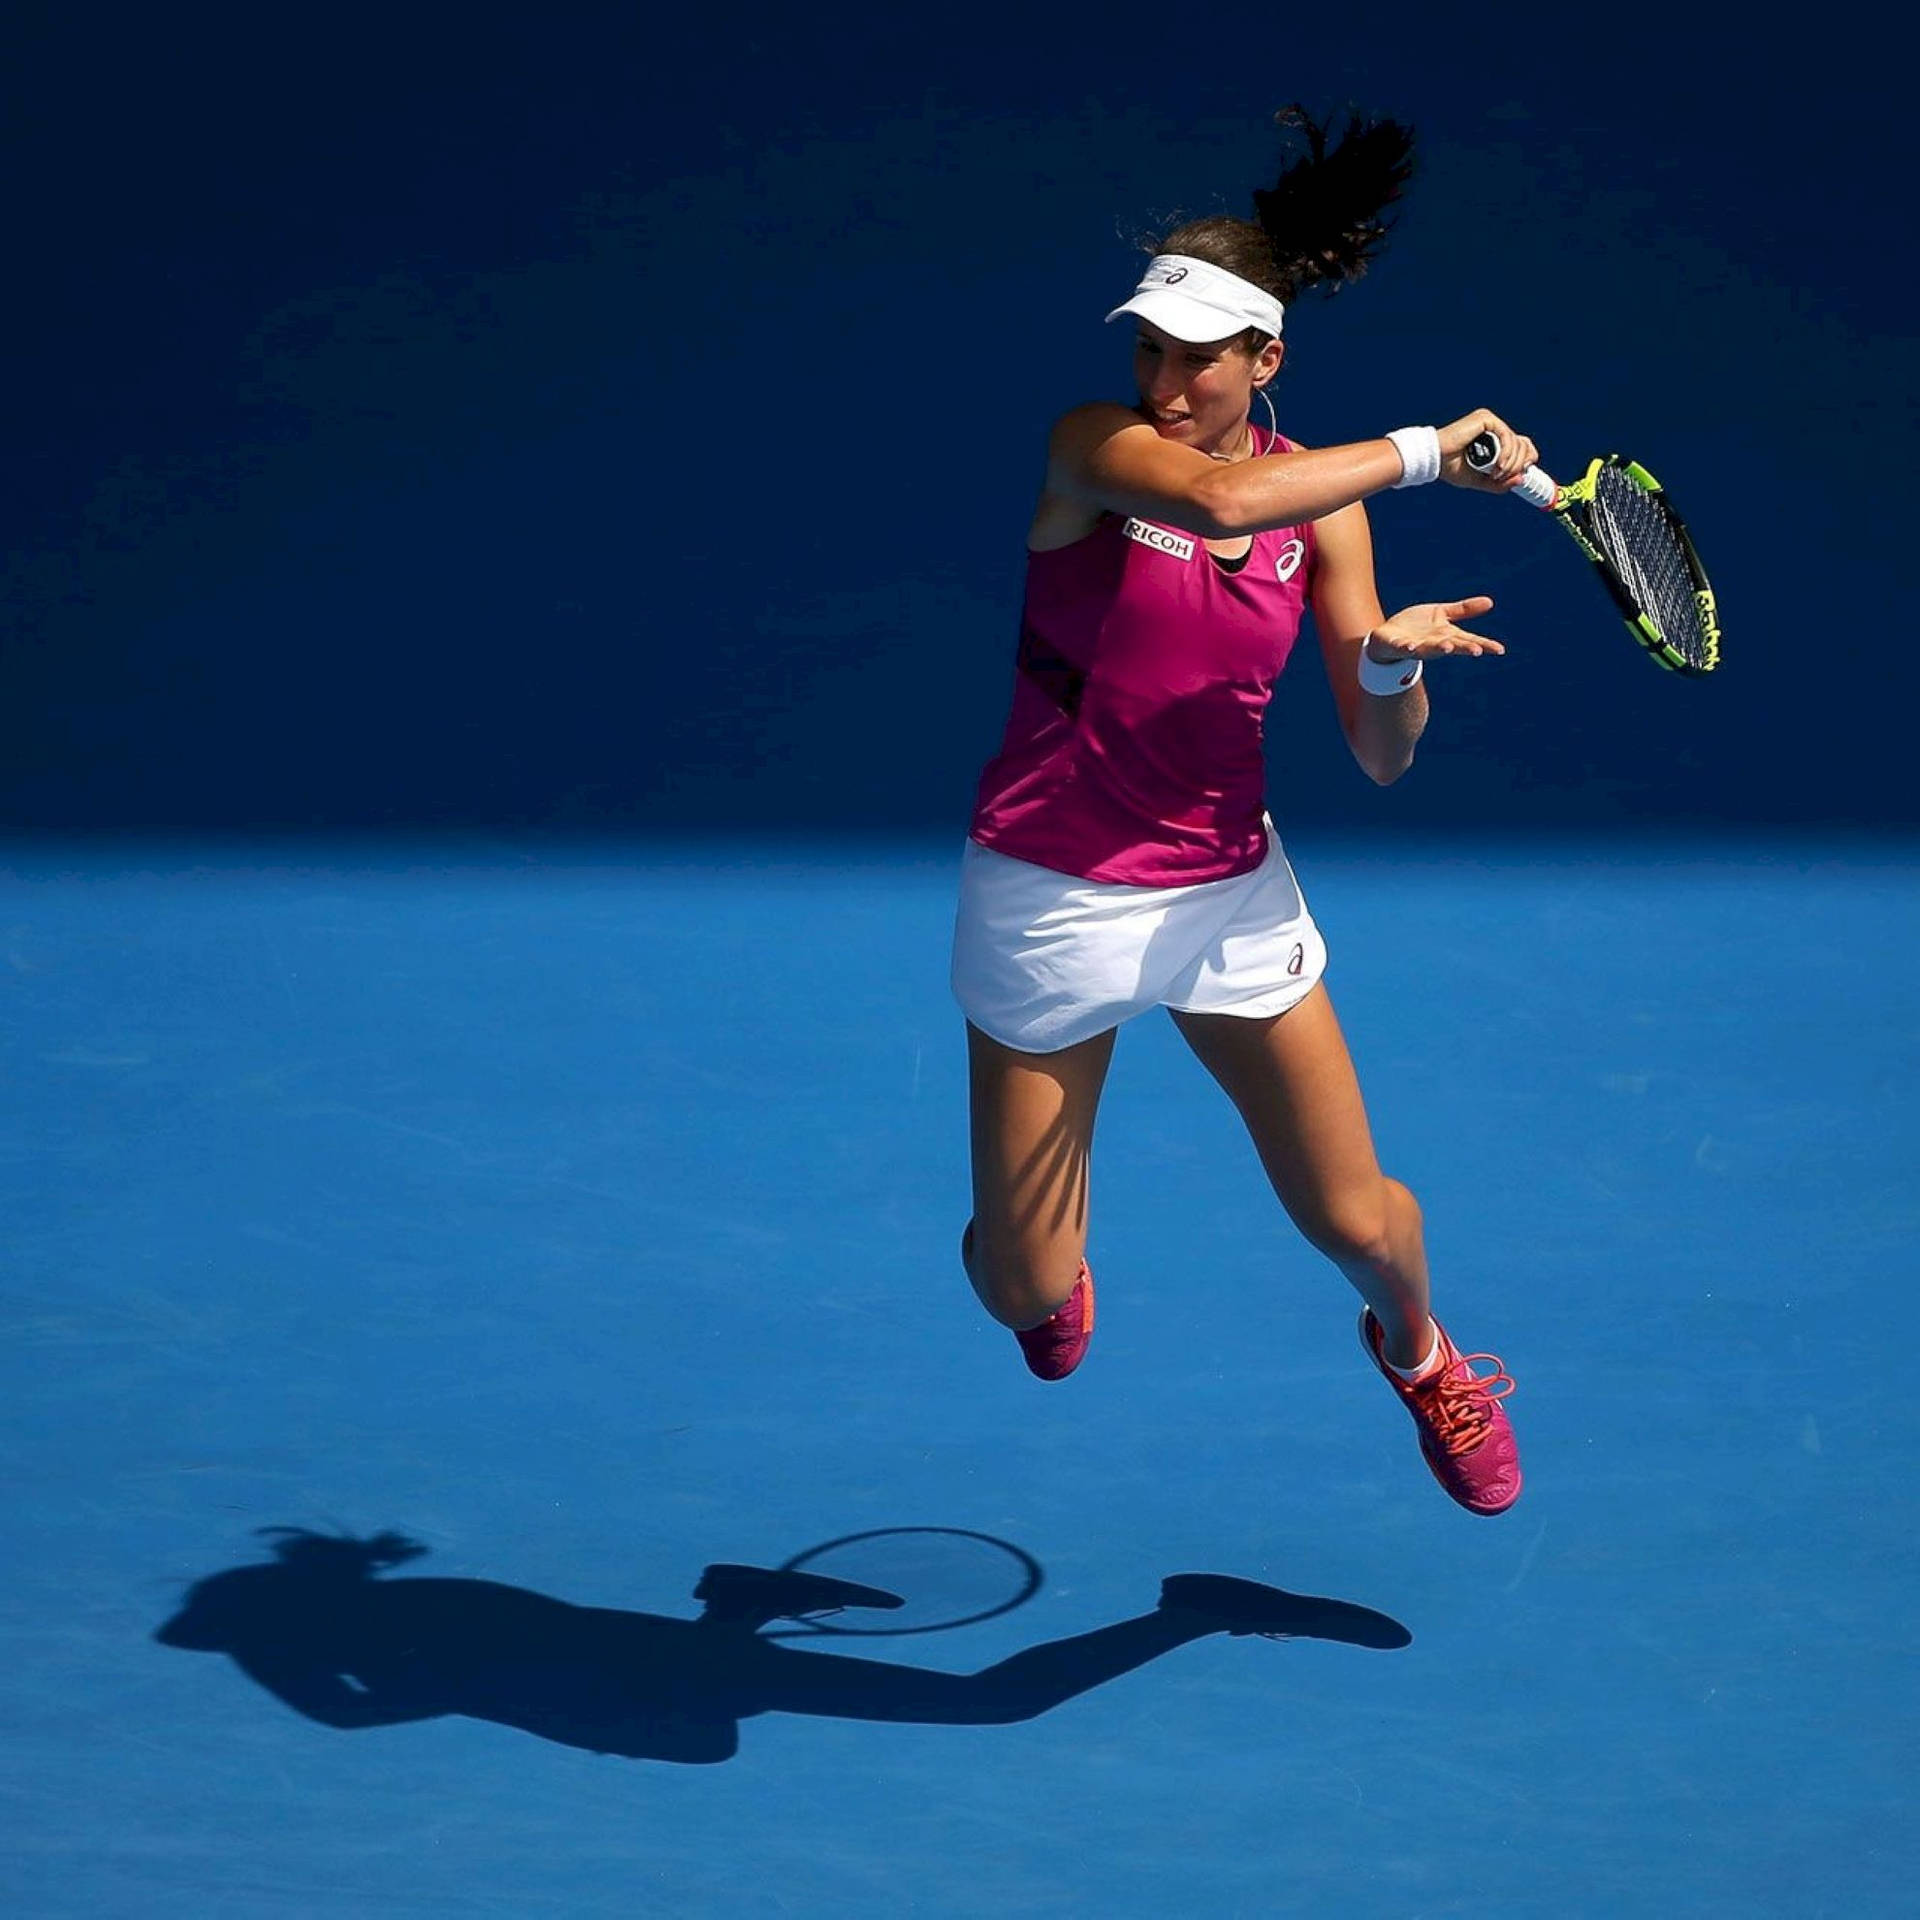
[(1536, 488)]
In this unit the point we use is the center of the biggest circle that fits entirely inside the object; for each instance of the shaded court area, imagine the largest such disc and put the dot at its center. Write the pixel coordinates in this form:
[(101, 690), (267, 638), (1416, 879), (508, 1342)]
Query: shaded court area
[(427, 1261)]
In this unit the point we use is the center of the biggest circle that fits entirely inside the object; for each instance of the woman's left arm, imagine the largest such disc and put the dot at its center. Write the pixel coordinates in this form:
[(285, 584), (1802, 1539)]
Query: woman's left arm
[(1381, 728)]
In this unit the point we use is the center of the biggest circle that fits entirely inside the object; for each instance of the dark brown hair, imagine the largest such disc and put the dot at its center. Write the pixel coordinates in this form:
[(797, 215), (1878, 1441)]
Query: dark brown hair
[(1322, 221)]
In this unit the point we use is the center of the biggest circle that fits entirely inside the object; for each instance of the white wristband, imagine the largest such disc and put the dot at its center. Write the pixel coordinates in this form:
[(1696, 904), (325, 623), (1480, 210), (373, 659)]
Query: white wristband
[(1419, 451), (1387, 676)]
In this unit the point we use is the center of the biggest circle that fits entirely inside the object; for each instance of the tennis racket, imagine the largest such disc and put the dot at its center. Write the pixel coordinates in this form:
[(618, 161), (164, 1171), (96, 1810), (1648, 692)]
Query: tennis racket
[(1621, 519)]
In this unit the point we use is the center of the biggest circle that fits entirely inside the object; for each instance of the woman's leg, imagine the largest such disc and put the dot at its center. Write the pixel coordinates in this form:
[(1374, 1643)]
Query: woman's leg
[(1292, 1080), (1032, 1120)]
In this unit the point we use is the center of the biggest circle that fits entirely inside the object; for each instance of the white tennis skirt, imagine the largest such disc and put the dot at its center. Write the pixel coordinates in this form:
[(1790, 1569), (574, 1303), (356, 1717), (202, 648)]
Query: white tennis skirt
[(1042, 960)]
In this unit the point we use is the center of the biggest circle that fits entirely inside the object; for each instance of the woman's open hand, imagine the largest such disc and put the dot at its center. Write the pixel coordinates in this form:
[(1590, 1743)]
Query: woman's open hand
[(1429, 632)]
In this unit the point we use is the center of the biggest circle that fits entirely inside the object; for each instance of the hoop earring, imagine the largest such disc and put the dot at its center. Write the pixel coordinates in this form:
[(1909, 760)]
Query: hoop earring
[(1273, 423)]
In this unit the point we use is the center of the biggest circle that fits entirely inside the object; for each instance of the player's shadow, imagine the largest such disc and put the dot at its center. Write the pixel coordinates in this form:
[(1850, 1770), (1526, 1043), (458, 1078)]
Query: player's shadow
[(321, 1630)]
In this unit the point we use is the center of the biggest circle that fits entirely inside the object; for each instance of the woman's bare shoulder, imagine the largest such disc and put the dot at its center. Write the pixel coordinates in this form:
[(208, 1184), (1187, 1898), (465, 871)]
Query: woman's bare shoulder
[(1063, 515)]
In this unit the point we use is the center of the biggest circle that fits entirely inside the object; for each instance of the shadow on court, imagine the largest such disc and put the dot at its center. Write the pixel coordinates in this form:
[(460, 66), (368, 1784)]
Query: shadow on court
[(321, 1630)]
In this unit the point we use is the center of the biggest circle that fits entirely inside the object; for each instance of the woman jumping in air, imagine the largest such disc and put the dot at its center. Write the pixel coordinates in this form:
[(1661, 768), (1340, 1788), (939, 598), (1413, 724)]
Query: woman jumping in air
[(1120, 855)]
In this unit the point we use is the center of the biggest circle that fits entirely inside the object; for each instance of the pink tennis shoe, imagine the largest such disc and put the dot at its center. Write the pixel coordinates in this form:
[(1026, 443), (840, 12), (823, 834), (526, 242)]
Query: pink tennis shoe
[(1059, 1343), (1464, 1431)]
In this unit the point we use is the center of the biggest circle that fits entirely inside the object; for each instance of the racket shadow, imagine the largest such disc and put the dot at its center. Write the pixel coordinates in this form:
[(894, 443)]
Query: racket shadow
[(320, 1628)]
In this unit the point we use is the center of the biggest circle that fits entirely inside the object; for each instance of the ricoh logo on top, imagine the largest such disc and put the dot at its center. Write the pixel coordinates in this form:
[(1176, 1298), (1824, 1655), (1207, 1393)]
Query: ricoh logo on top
[(1161, 539)]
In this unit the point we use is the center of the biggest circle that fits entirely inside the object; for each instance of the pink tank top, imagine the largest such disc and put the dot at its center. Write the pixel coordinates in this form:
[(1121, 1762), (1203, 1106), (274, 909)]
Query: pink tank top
[(1133, 749)]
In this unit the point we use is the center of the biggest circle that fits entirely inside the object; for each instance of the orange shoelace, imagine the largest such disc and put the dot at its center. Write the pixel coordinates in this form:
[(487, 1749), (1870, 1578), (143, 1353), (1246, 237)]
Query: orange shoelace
[(1458, 1403)]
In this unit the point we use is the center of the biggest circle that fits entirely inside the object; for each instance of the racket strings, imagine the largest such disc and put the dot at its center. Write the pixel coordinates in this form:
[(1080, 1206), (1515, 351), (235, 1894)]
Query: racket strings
[(1635, 531)]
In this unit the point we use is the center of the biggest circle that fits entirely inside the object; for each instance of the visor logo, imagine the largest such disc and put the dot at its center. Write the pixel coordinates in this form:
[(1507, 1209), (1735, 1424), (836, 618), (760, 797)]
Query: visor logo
[(1174, 274)]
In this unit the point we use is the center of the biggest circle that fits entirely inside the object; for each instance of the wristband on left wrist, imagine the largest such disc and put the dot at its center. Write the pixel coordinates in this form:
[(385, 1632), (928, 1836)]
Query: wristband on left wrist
[(1387, 677)]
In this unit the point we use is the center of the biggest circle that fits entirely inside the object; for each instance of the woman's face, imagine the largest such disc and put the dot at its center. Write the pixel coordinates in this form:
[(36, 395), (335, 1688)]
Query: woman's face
[(1199, 395)]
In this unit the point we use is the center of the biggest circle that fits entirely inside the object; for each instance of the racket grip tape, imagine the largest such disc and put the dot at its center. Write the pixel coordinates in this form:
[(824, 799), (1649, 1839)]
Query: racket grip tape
[(1536, 488)]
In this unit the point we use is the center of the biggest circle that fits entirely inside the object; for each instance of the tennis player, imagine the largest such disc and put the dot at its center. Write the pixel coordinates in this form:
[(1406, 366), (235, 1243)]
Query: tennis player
[(1120, 855)]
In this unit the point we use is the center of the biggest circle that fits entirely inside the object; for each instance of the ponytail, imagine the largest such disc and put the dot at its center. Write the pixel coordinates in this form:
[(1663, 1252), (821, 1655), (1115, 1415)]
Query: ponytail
[(1324, 219), (1325, 216)]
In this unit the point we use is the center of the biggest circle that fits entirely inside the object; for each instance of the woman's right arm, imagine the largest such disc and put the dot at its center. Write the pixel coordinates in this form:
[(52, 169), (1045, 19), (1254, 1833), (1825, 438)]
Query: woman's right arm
[(1105, 456)]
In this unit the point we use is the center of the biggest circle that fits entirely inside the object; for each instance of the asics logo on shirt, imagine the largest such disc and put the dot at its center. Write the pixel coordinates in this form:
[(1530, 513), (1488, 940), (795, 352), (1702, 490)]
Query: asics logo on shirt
[(1159, 538), (1286, 562)]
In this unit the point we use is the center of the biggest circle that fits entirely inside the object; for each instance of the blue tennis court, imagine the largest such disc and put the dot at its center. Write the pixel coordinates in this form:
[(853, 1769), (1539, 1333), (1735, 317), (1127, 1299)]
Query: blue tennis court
[(586, 1215)]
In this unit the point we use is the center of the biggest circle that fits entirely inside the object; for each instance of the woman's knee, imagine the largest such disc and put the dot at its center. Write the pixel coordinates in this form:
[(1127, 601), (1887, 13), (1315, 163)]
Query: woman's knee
[(1019, 1285), (1362, 1224)]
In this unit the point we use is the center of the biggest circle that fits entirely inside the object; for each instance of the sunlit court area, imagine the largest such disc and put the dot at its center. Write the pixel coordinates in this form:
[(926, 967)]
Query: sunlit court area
[(340, 1208), (519, 572)]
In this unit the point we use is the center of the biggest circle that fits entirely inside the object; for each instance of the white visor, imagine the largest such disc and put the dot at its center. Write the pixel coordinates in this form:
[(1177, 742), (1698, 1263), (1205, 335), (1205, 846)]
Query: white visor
[(1194, 301)]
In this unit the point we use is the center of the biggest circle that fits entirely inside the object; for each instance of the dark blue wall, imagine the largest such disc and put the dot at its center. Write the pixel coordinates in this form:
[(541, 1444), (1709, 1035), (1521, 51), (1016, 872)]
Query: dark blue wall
[(587, 423)]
